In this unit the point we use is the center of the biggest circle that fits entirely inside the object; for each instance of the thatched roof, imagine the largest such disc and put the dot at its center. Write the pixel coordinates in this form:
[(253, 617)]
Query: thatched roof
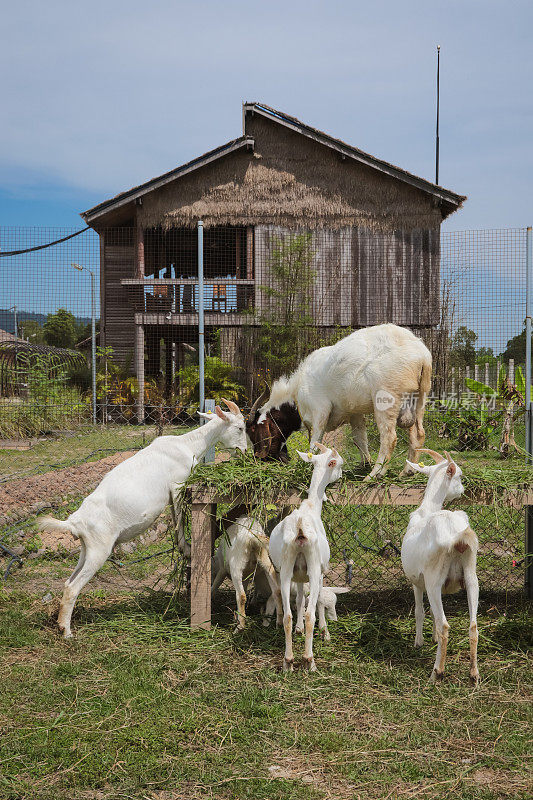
[(8, 337), (286, 173)]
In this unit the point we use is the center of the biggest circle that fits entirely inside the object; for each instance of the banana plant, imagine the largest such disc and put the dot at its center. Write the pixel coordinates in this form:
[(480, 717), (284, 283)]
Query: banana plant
[(509, 397)]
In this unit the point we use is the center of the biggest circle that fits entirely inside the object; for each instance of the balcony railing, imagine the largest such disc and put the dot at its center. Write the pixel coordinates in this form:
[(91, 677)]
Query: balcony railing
[(180, 295)]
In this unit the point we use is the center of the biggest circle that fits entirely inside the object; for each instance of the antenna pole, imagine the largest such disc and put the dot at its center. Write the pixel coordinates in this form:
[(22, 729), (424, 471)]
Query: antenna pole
[(437, 128)]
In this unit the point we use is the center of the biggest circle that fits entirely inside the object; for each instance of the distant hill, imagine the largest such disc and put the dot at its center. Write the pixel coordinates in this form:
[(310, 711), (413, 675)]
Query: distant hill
[(7, 318)]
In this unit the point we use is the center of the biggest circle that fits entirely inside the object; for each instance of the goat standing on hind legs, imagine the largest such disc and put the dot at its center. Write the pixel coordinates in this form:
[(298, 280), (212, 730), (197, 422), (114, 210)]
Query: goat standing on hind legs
[(299, 550), (131, 497), (439, 553)]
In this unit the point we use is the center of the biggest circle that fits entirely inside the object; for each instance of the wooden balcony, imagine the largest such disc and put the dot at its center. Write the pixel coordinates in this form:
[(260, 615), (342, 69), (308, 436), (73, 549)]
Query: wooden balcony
[(174, 301)]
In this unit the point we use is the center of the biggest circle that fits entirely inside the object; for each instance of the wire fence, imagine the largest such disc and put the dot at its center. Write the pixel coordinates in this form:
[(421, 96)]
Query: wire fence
[(271, 296)]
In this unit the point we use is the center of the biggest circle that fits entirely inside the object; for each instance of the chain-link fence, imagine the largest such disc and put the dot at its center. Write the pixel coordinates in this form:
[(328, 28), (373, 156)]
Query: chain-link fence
[(270, 296)]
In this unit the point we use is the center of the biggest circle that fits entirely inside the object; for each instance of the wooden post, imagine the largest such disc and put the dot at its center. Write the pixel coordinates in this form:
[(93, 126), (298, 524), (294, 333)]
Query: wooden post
[(487, 373), (139, 370), (250, 253), (168, 365), (139, 263), (510, 373), (453, 381), (476, 372), (139, 329), (203, 520), (529, 553)]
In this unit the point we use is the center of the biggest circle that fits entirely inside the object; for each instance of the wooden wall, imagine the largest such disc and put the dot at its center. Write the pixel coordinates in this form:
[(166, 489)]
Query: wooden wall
[(362, 278), (119, 262)]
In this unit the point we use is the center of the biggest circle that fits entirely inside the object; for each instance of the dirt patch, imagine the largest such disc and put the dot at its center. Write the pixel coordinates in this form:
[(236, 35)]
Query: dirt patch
[(504, 783), (293, 767), (24, 496)]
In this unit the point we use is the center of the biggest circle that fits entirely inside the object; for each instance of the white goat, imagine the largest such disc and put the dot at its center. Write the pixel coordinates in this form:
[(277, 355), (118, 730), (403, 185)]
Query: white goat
[(133, 495), (377, 370), (243, 555), (299, 550), (439, 555), (326, 606)]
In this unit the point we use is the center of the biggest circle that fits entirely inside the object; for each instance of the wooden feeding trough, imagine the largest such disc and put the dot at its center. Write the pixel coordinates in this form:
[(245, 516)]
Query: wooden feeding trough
[(204, 531)]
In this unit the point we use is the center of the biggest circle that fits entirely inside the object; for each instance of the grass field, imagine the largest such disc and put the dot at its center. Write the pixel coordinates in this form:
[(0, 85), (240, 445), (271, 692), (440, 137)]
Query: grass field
[(137, 706)]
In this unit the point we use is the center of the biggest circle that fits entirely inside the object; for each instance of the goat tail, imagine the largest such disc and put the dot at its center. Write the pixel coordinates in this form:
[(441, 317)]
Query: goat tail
[(424, 383), (47, 524), (340, 589), (466, 539)]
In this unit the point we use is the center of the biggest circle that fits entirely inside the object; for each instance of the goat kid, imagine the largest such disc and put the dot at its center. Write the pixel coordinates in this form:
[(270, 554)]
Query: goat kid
[(243, 554), (299, 550), (439, 553), (326, 607), (131, 497)]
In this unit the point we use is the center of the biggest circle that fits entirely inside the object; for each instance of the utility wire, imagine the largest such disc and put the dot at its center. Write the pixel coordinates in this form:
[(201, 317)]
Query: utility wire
[(42, 246)]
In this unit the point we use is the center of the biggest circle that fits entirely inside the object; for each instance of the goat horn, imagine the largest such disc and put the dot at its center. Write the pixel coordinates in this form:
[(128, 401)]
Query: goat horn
[(436, 456), (233, 407), (260, 400), (448, 457), (321, 447)]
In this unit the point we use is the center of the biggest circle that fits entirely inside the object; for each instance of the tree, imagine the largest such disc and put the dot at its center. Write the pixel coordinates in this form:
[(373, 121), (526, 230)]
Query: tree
[(218, 380), (516, 348), (281, 339), (60, 329), (31, 330), (463, 350), (485, 355)]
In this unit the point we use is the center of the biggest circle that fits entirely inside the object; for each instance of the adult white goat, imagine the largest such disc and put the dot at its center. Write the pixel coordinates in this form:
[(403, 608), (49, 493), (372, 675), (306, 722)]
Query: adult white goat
[(439, 555), (135, 492), (299, 550), (384, 370), (243, 555)]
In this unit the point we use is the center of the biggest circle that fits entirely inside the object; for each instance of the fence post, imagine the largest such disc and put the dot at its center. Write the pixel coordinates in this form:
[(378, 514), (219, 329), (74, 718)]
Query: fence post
[(529, 509), (210, 454), (476, 372), (511, 370), (487, 373), (203, 521), (201, 314)]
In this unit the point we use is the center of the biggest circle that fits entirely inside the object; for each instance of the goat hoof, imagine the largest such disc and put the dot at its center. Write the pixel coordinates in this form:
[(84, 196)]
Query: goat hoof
[(474, 678), (266, 623), (288, 665), (308, 664), (298, 630), (418, 644), (436, 677), (325, 635)]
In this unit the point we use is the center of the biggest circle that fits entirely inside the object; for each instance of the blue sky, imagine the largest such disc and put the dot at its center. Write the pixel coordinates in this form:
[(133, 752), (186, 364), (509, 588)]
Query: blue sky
[(99, 97)]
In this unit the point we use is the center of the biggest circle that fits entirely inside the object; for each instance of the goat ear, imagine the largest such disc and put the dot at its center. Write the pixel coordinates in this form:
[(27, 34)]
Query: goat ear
[(209, 415), (451, 469), (332, 463), (307, 457), (417, 468), (221, 414)]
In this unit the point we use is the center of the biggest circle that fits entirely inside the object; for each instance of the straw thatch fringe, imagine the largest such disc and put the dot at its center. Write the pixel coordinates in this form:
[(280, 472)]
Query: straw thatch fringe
[(293, 182)]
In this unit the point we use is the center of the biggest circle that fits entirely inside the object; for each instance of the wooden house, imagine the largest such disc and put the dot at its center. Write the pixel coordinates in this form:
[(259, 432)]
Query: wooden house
[(374, 230)]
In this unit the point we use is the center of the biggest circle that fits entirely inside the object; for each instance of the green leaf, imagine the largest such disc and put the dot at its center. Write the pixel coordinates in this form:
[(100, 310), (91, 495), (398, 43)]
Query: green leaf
[(519, 381), (480, 388)]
